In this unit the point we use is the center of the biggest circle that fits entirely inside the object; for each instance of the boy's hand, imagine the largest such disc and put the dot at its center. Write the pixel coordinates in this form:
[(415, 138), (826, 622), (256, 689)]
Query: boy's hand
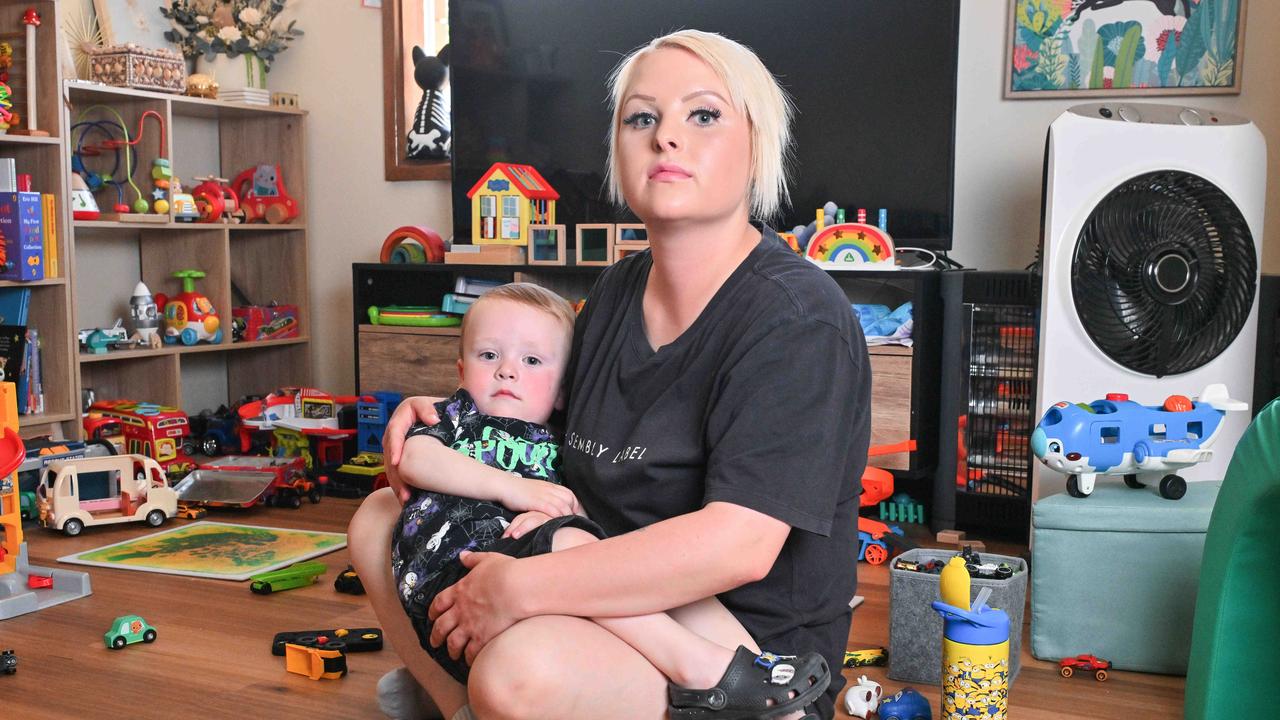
[(524, 522), (523, 495), (418, 408)]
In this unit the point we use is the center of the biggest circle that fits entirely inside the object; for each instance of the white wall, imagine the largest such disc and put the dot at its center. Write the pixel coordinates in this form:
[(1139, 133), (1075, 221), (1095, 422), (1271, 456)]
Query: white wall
[(337, 69), (1000, 143)]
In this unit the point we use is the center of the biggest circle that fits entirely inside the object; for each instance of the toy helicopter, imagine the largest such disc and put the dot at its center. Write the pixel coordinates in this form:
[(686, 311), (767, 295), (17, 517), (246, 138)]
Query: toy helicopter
[(1116, 436)]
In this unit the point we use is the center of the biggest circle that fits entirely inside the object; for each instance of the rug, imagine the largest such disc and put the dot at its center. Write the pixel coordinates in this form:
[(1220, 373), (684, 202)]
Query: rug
[(222, 551)]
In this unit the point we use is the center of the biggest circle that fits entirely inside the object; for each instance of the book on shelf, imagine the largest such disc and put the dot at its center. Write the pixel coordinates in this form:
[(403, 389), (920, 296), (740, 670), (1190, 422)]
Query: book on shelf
[(30, 382), (13, 341), (49, 233), (22, 251), (15, 304), (8, 174)]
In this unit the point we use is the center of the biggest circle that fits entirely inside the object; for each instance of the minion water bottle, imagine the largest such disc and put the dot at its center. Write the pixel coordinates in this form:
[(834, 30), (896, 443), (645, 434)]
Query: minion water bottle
[(975, 650)]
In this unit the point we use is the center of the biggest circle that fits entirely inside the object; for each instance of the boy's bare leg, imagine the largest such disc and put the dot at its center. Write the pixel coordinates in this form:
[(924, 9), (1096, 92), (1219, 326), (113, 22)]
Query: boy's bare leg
[(567, 668), (369, 540), (692, 646)]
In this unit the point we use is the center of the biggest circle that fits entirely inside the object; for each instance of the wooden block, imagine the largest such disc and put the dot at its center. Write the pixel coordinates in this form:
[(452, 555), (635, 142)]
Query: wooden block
[(631, 233), (621, 250), (951, 537), (545, 240), (595, 244), (488, 255)]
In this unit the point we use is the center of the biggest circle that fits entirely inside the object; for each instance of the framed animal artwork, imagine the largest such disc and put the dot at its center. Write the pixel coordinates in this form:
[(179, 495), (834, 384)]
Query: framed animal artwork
[(1096, 48), (415, 87)]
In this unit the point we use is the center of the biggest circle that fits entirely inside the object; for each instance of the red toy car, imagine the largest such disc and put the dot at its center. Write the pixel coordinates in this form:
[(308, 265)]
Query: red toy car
[(39, 581), (1087, 663)]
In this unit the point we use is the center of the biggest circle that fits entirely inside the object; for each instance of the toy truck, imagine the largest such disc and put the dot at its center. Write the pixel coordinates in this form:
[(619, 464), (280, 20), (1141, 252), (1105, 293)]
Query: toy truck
[(74, 494)]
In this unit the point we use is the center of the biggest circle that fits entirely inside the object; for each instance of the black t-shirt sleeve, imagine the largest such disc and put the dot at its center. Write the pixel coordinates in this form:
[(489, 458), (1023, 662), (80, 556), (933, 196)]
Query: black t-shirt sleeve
[(779, 432), (448, 410)]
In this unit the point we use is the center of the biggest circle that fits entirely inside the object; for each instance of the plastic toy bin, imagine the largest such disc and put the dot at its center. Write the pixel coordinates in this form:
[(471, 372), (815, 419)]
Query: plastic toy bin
[(915, 628), (1117, 573)]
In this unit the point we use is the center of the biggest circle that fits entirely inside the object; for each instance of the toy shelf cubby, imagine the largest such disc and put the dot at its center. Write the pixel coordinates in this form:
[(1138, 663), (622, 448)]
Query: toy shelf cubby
[(41, 156), (258, 262)]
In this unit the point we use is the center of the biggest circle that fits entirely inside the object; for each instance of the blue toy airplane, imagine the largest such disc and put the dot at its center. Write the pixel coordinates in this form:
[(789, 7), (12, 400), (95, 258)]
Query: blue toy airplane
[(1116, 436)]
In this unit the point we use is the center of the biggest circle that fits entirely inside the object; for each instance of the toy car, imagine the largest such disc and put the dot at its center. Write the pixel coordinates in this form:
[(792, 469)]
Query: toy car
[(128, 629), (863, 658), (217, 431), (973, 563), (303, 573), (187, 511), (348, 582), (324, 662), (1088, 663), (906, 704), (8, 662), (929, 566), (359, 476)]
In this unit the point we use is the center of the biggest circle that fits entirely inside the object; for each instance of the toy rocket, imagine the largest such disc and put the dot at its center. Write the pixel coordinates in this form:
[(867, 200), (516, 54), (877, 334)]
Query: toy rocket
[(144, 311)]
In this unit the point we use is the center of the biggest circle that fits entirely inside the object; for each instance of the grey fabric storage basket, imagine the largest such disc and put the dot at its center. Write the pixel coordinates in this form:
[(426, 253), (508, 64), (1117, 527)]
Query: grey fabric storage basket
[(915, 628)]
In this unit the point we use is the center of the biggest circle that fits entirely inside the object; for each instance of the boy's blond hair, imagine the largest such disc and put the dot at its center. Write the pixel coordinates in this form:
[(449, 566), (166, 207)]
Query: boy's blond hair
[(754, 92), (530, 295)]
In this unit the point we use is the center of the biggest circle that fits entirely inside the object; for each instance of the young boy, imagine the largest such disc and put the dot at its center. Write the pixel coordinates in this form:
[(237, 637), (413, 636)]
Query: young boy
[(514, 348)]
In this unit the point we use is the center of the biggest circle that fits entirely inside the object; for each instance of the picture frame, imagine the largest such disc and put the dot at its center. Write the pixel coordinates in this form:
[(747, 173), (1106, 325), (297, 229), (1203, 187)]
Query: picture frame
[(123, 22), (1103, 48), (546, 245), (594, 243), (402, 23)]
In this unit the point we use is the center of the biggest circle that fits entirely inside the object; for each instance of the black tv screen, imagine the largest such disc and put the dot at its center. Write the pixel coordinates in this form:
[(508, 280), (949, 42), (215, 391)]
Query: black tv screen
[(874, 82)]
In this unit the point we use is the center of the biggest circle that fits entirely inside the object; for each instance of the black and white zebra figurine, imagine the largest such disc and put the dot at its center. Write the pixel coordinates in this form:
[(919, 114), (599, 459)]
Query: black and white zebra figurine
[(430, 136)]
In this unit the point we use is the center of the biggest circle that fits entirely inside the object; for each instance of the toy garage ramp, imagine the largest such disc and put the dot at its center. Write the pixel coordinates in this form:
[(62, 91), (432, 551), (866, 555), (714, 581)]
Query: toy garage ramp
[(17, 597)]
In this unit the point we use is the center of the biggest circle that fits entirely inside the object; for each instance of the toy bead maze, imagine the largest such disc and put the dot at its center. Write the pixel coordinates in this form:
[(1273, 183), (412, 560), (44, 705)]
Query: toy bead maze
[(16, 596), (851, 246)]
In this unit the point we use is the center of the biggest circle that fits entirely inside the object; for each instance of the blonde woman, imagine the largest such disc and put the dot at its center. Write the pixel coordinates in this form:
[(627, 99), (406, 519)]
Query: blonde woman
[(717, 422)]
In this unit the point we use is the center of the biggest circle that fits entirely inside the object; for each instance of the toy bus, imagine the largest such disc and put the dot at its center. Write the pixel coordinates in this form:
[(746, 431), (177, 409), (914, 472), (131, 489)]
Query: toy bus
[(157, 431)]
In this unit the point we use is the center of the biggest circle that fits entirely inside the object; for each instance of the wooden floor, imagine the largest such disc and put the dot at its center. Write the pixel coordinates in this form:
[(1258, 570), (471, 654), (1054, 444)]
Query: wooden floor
[(212, 658)]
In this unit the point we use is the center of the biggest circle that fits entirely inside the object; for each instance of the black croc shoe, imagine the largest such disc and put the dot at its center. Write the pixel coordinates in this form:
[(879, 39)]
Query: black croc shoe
[(754, 686)]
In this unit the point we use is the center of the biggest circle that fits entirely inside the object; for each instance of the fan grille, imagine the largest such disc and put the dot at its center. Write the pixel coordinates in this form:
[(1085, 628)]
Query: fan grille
[(1164, 273)]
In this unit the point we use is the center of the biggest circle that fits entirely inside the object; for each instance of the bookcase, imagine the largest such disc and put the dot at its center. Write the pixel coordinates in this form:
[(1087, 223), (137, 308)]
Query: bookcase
[(103, 260)]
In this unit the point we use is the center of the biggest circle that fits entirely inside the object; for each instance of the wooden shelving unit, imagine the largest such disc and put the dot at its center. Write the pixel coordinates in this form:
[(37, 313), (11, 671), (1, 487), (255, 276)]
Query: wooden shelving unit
[(101, 261), (422, 361)]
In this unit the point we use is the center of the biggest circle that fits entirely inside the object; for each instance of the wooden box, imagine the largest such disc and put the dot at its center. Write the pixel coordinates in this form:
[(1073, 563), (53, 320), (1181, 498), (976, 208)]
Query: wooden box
[(162, 70)]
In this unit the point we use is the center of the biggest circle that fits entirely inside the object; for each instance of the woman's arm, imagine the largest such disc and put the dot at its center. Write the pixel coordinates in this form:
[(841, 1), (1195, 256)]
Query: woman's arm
[(665, 565), (427, 464)]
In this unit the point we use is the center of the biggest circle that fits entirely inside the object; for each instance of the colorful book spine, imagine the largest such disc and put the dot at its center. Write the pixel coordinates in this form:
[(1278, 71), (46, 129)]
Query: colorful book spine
[(50, 234), (22, 251)]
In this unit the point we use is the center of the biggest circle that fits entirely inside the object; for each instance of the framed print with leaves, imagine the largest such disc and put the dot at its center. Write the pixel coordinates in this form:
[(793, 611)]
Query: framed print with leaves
[(1091, 48), (415, 90)]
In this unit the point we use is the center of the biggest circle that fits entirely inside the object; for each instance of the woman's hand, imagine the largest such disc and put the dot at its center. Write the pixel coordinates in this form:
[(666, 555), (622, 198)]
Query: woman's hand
[(524, 522), (474, 610), (523, 495), (418, 408)]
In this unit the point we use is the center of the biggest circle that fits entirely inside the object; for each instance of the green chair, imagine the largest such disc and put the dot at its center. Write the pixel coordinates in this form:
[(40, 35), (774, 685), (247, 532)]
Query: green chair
[(1235, 638)]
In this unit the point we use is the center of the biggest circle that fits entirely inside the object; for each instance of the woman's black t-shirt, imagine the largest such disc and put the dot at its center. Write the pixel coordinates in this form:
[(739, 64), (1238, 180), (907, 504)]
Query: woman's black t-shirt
[(763, 402)]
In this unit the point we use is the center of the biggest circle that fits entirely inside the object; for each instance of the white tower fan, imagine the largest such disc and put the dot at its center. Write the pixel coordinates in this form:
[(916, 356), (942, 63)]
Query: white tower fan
[(1150, 259)]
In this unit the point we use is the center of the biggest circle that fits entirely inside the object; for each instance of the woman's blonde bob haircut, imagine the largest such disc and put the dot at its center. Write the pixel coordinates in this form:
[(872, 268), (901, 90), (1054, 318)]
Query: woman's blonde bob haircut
[(754, 92)]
